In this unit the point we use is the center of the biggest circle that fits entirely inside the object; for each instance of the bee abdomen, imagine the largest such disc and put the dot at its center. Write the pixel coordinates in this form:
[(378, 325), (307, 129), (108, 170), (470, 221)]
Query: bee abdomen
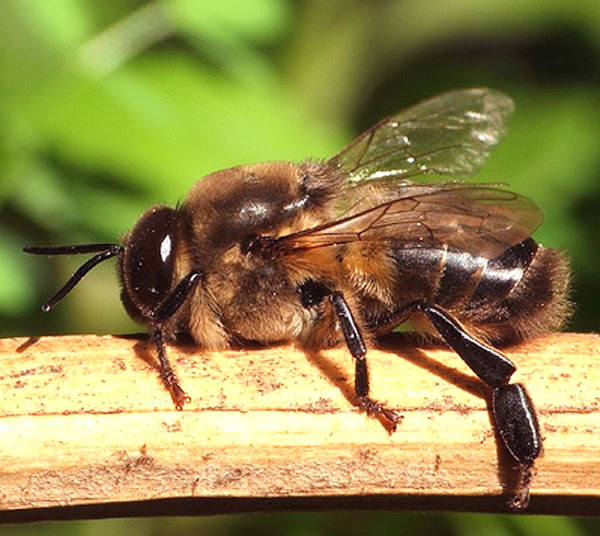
[(518, 294), (477, 284)]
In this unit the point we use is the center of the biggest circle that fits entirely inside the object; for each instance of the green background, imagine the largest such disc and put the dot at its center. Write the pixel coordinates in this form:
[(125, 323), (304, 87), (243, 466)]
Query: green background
[(108, 107)]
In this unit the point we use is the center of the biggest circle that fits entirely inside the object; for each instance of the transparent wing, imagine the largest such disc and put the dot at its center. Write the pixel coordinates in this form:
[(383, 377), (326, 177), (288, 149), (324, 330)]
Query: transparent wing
[(476, 218), (450, 134)]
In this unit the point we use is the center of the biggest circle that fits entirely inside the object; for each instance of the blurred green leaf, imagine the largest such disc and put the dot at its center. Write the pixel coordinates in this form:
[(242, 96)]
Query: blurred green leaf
[(231, 20), (164, 122), (16, 293), (550, 154), (42, 196), (491, 525), (228, 32), (546, 525), (65, 23)]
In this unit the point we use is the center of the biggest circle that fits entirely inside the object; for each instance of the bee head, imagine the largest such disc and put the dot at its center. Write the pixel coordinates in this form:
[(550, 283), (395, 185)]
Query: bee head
[(147, 265), (146, 262)]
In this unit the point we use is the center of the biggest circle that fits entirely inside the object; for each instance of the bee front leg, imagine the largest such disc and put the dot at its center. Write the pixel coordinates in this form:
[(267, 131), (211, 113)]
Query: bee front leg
[(167, 373), (165, 311), (513, 411)]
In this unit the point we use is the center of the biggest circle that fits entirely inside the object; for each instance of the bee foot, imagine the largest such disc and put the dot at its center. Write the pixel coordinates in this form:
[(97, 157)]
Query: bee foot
[(178, 395), (520, 500), (388, 418)]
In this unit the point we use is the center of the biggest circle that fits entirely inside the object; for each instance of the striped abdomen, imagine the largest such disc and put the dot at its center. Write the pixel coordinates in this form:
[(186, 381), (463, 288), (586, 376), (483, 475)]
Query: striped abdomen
[(518, 294)]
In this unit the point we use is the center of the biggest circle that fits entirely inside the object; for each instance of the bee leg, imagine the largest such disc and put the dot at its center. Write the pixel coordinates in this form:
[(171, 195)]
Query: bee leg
[(358, 349), (489, 364), (312, 293), (518, 426), (167, 373), (167, 308), (514, 414)]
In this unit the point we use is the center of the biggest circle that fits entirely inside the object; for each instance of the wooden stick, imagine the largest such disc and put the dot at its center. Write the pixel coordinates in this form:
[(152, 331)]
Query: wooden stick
[(88, 430)]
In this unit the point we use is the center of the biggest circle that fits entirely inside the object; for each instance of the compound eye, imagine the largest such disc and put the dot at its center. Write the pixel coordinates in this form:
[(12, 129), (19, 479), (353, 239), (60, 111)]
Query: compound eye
[(149, 260)]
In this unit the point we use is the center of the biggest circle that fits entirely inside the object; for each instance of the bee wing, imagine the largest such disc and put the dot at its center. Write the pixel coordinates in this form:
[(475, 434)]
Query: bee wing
[(450, 134), (476, 218)]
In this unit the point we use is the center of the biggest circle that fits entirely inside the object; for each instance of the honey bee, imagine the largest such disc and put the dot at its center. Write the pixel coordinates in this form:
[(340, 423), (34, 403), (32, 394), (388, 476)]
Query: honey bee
[(345, 250)]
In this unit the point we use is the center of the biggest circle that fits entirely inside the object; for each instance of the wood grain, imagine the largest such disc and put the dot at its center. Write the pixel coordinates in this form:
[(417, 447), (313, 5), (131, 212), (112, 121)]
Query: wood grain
[(87, 430)]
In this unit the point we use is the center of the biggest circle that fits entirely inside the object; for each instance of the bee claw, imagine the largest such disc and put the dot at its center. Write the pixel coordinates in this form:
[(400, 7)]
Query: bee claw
[(179, 397), (390, 419)]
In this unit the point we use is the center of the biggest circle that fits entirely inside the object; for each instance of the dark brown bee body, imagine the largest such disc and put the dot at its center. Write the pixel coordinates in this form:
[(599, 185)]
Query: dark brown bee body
[(342, 251)]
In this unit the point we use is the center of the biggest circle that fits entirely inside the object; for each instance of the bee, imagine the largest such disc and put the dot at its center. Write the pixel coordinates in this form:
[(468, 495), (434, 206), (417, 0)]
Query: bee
[(345, 250)]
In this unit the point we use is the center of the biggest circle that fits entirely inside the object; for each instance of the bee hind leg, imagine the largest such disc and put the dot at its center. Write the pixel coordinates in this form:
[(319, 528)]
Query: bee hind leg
[(514, 415)]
